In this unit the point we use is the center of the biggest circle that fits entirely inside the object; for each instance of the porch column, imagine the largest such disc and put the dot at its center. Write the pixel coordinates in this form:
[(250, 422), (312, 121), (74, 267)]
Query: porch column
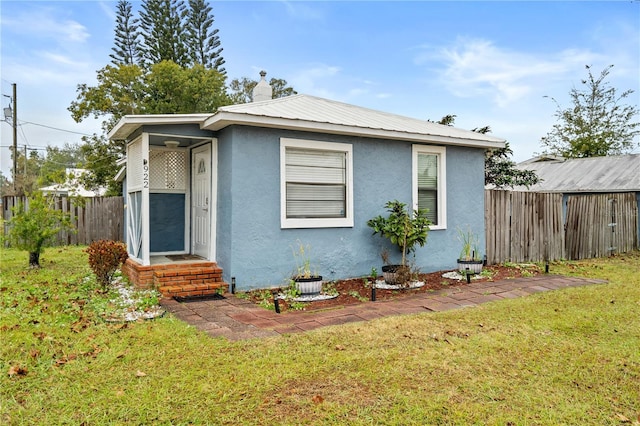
[(146, 235)]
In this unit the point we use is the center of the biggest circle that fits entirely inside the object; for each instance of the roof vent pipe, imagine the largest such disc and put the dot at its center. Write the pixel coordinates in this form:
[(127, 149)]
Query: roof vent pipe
[(262, 91)]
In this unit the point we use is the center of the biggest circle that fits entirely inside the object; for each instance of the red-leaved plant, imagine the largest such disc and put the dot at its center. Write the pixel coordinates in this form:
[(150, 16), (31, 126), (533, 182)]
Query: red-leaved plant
[(105, 257)]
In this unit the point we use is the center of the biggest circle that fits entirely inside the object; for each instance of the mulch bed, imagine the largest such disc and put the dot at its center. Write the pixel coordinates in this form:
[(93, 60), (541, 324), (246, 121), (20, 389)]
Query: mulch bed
[(358, 290)]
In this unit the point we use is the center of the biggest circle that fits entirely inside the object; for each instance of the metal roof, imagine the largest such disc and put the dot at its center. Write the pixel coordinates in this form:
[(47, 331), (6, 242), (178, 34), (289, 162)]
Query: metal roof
[(311, 113), (314, 114), (593, 174)]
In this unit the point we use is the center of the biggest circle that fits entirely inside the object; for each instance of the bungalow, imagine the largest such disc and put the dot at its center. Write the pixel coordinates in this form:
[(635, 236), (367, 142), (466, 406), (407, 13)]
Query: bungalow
[(227, 196)]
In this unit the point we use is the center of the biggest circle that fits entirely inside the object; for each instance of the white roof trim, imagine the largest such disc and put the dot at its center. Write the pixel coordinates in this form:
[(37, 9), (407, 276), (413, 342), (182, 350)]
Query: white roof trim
[(223, 119), (130, 123)]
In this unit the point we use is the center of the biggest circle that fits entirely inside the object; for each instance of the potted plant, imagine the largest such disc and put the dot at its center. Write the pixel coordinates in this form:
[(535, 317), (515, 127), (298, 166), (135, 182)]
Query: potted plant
[(306, 280), (405, 230), (469, 261)]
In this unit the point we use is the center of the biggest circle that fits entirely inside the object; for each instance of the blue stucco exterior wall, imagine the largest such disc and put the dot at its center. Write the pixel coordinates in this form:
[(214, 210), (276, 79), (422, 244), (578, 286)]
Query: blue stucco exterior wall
[(253, 248)]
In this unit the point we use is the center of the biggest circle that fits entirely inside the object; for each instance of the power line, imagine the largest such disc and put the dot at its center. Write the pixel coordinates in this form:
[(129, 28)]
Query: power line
[(54, 128)]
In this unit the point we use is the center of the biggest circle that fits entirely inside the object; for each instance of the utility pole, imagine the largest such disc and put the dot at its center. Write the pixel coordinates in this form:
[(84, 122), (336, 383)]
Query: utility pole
[(15, 136)]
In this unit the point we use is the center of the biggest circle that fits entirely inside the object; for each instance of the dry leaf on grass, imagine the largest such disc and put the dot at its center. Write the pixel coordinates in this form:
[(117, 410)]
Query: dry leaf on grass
[(140, 373), (622, 418), (317, 399), (16, 370)]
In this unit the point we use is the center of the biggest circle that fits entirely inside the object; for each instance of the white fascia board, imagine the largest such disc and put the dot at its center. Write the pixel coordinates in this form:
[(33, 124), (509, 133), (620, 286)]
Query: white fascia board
[(130, 123), (119, 177), (223, 119)]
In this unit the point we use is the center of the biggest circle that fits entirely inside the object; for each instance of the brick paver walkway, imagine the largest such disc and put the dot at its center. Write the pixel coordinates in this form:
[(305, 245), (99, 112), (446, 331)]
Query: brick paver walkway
[(238, 319)]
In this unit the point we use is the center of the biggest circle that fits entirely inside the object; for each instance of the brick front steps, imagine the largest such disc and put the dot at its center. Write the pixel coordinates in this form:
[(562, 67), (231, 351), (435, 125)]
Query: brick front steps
[(183, 279)]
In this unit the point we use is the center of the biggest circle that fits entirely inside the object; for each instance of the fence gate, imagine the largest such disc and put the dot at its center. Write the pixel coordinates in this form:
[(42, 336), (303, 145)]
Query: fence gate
[(599, 225)]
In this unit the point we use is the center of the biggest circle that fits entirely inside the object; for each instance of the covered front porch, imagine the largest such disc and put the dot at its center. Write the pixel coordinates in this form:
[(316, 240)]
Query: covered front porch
[(170, 193)]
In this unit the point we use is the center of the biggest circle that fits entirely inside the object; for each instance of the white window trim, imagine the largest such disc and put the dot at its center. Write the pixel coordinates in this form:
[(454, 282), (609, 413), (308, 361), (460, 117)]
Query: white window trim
[(344, 222), (441, 152)]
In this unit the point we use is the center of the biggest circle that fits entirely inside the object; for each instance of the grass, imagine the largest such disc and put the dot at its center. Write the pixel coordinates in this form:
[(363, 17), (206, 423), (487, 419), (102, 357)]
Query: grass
[(561, 357)]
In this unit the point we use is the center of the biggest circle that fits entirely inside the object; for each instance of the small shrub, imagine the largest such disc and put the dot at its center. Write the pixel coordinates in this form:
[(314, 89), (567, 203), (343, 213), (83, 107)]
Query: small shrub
[(105, 257), (34, 226)]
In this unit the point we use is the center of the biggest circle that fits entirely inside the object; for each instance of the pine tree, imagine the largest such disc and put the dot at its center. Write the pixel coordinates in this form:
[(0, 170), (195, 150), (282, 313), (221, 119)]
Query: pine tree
[(163, 32), (204, 42), (126, 49)]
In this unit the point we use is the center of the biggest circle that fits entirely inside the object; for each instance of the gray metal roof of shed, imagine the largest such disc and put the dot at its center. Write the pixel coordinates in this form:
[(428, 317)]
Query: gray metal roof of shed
[(593, 174)]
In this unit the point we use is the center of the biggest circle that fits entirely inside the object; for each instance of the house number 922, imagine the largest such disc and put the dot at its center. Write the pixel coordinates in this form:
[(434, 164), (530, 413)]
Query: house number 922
[(145, 174)]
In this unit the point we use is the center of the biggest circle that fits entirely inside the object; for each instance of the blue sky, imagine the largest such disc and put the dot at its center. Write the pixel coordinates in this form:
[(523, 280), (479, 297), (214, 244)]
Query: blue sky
[(489, 63)]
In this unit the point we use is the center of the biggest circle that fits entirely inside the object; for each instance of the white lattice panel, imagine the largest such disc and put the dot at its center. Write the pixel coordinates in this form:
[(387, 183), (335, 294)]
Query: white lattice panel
[(134, 166), (168, 170)]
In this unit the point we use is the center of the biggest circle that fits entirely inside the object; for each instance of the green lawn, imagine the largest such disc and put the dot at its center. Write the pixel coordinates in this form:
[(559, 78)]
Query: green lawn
[(563, 357)]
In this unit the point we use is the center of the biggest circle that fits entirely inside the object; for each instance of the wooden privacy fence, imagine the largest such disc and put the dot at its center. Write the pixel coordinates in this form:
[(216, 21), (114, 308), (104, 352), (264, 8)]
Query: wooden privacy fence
[(600, 224), (523, 226), (93, 218), (535, 226)]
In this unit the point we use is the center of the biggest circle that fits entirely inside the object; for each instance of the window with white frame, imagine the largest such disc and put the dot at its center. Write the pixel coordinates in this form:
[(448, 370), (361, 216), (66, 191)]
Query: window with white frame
[(429, 183), (316, 184)]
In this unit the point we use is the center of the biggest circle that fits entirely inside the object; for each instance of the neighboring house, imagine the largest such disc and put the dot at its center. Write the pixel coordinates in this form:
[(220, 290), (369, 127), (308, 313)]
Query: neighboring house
[(601, 195), (72, 186), (241, 187)]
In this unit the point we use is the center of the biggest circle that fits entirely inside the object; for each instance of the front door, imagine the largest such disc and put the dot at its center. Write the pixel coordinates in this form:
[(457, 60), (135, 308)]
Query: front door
[(201, 201)]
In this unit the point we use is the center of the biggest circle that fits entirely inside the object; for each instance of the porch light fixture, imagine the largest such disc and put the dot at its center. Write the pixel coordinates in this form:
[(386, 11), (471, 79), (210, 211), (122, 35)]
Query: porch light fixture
[(171, 144)]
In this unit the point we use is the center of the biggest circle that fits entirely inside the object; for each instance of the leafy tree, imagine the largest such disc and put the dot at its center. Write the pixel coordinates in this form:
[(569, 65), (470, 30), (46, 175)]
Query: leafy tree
[(173, 89), (499, 169), (101, 156), (204, 42), (165, 88), (242, 89), (28, 166), (163, 33), (5, 185), (120, 91), (56, 162), (127, 46), (34, 227), (597, 123)]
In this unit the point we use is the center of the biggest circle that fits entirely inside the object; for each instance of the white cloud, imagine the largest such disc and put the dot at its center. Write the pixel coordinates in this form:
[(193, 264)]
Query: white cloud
[(108, 9), (43, 23), (314, 80), (477, 67)]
